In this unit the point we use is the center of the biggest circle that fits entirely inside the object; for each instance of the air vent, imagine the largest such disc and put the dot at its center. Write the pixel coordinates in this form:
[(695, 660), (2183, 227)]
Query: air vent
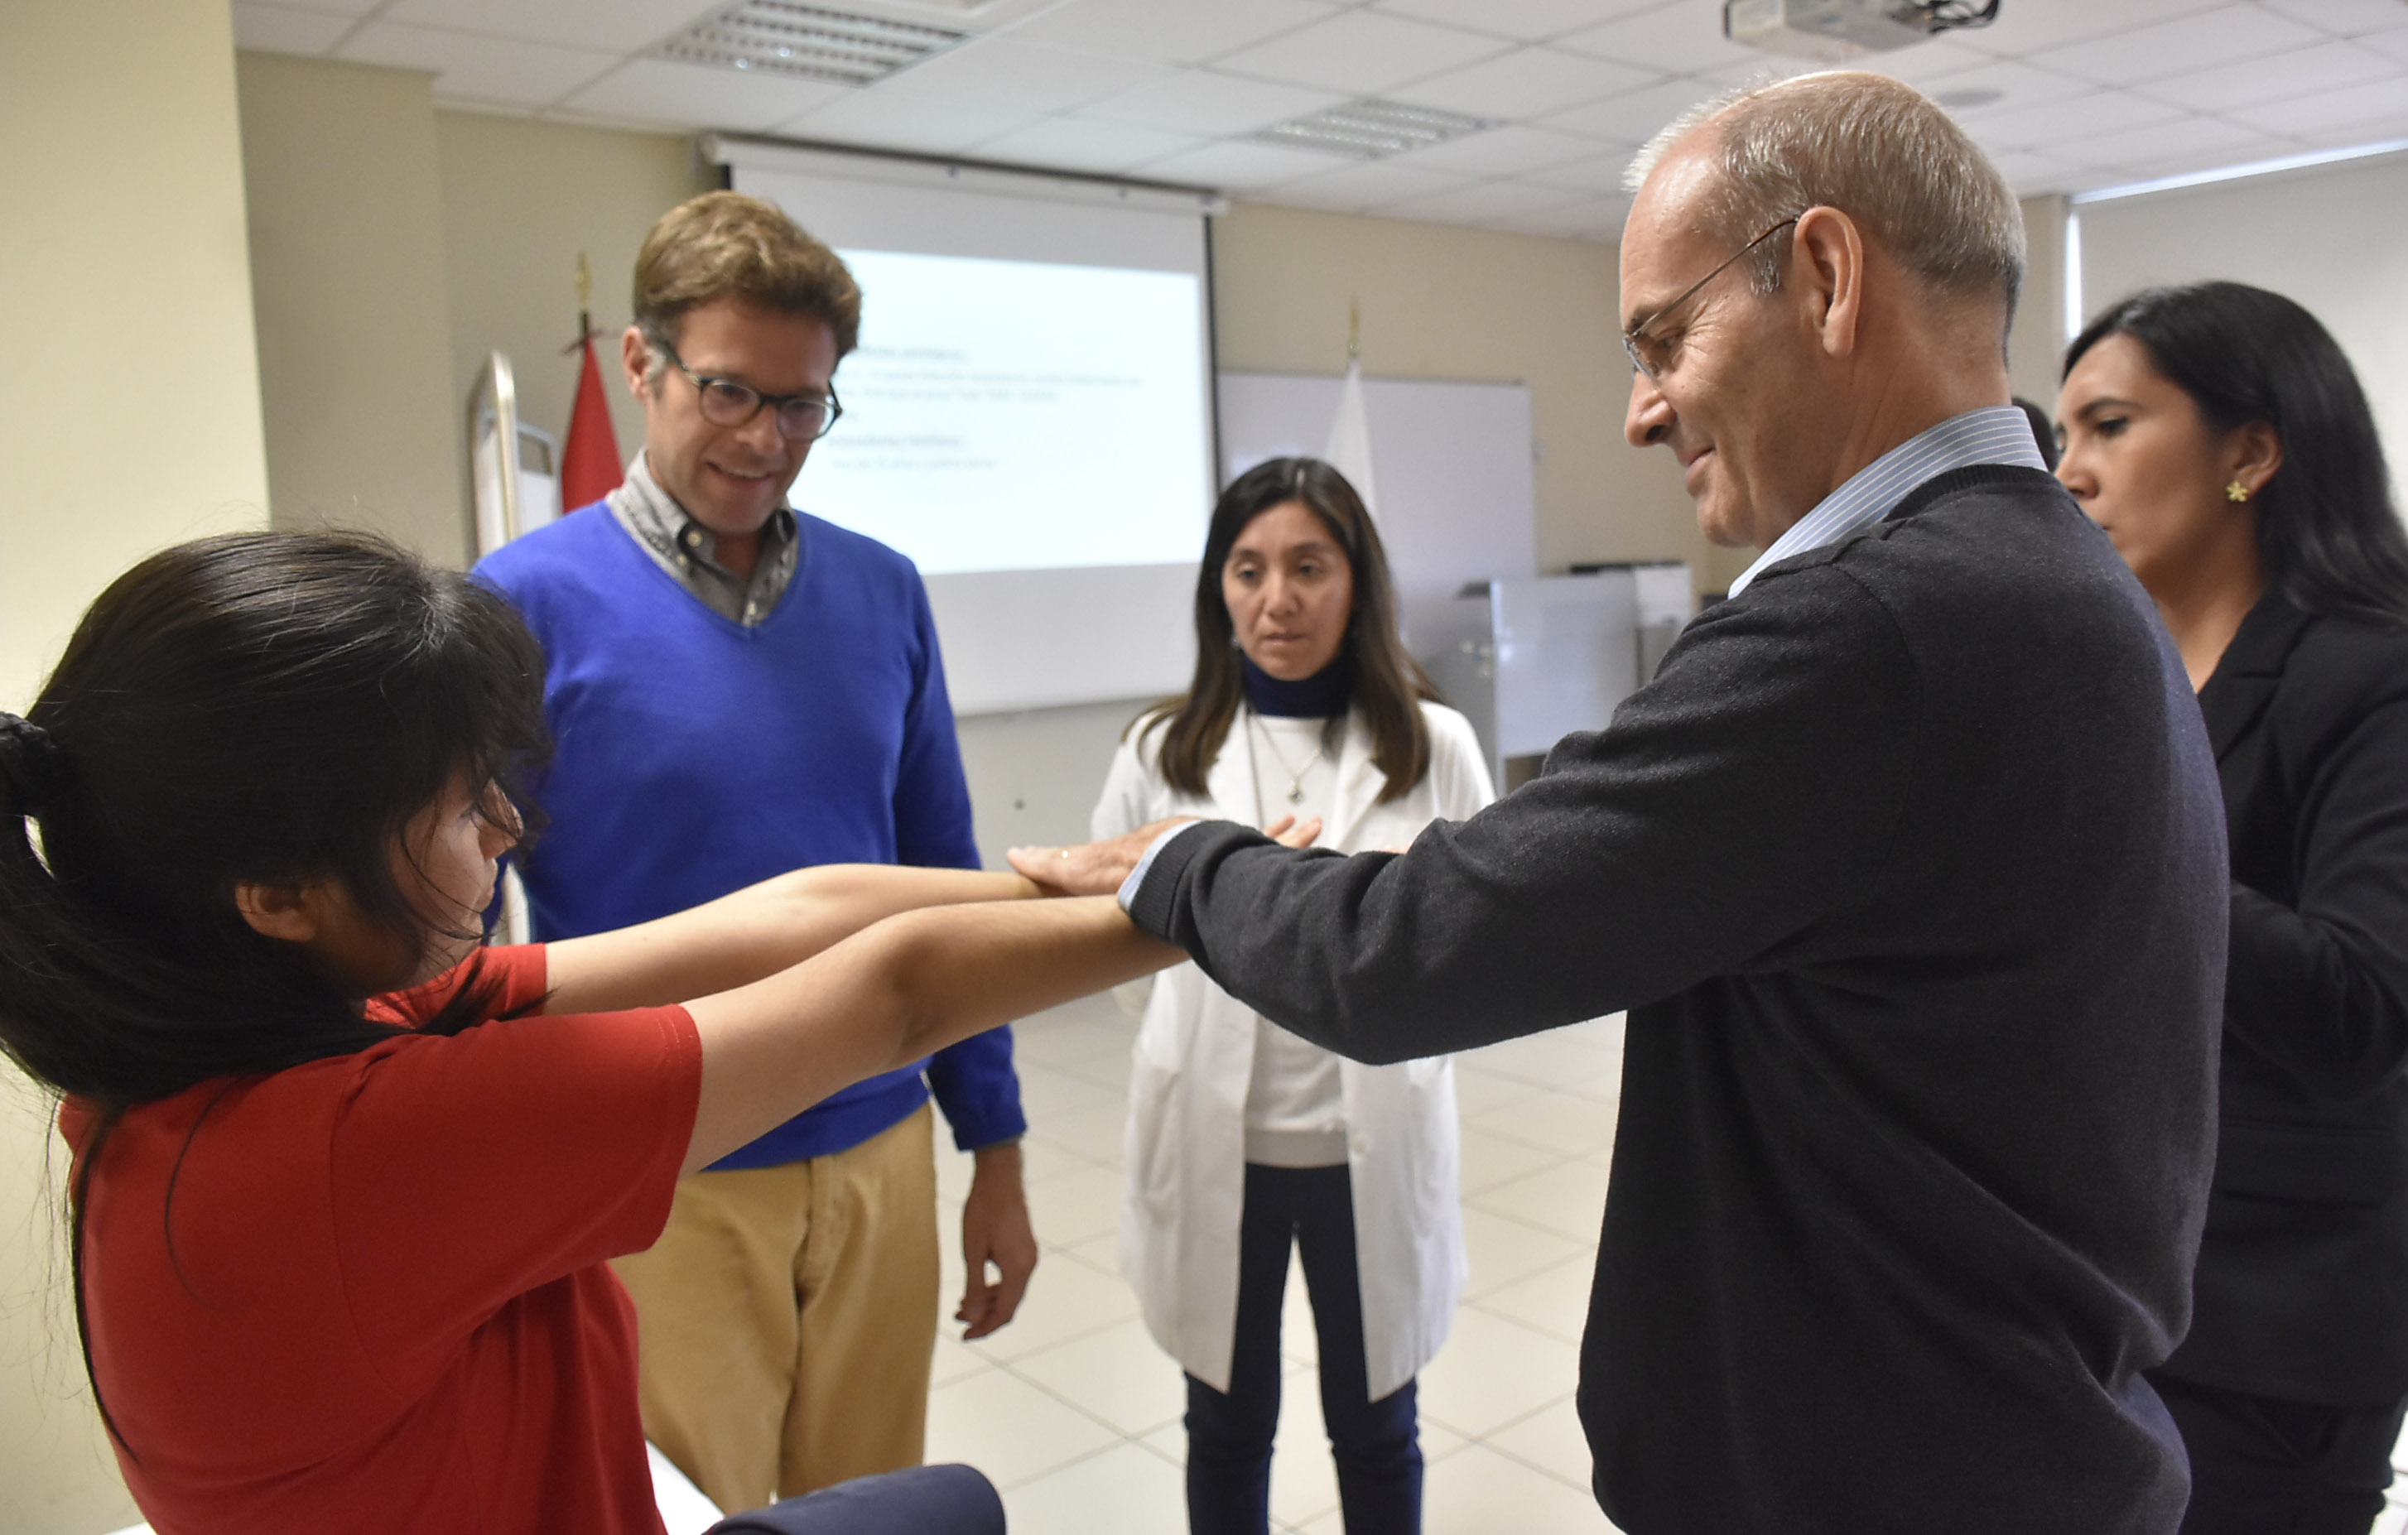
[(1369, 129), (808, 42)]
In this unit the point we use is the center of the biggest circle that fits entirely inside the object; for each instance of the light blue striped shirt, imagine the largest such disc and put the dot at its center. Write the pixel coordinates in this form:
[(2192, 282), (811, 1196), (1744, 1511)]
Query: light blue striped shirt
[(1995, 434)]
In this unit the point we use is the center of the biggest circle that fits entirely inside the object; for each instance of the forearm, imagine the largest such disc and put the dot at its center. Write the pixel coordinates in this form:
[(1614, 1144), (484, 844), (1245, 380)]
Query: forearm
[(2301, 993), (753, 933), (890, 995)]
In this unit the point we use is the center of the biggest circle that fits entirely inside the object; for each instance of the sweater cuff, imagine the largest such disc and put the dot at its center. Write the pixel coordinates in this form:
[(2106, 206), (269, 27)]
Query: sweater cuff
[(1150, 893)]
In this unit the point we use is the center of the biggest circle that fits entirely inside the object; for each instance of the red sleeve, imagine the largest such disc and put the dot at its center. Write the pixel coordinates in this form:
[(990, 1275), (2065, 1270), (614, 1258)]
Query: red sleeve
[(514, 972), (467, 1169)]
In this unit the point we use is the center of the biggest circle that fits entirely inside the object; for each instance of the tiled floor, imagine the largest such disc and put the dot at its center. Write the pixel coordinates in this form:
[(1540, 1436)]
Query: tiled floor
[(1074, 1413)]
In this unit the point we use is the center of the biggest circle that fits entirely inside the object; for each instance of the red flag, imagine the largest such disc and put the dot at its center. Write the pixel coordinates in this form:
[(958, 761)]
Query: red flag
[(589, 464)]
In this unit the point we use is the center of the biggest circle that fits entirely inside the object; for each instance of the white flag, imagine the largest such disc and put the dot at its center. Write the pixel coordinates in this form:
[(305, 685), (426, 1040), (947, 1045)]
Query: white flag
[(1350, 439)]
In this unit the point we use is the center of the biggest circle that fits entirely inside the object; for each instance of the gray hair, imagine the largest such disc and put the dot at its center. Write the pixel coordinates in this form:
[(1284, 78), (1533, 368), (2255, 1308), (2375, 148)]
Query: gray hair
[(1879, 152)]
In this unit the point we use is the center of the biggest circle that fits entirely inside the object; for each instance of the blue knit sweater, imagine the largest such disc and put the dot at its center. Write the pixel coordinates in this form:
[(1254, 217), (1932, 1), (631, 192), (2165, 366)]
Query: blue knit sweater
[(695, 757)]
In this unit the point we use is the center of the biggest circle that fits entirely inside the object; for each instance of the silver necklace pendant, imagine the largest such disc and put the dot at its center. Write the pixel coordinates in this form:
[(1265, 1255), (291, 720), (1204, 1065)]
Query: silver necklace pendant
[(1295, 792)]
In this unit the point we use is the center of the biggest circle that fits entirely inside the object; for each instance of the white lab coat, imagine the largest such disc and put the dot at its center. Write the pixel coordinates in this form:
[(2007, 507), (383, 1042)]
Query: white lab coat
[(1183, 1173)]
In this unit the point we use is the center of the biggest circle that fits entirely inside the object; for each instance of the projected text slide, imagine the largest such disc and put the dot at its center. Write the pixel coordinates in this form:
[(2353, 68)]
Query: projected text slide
[(1008, 415)]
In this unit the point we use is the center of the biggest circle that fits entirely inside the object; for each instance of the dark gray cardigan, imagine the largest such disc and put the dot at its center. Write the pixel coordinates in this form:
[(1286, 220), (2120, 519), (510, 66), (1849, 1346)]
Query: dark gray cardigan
[(1910, 868)]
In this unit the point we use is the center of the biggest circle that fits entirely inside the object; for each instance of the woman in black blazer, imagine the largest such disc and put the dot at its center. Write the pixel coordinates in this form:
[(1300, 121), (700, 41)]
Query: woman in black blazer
[(2218, 436)]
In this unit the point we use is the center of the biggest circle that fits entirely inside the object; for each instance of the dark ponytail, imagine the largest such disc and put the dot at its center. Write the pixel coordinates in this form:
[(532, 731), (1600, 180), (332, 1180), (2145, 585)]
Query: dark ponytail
[(252, 708)]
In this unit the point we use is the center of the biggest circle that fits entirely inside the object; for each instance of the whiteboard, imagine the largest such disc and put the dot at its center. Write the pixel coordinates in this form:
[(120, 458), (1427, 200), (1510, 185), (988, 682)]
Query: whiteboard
[(1452, 463)]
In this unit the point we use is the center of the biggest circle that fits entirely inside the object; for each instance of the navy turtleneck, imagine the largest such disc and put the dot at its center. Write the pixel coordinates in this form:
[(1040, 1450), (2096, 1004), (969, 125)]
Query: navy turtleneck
[(1319, 696)]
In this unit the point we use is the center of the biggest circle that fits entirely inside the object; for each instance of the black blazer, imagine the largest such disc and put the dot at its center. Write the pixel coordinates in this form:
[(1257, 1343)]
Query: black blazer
[(1908, 866), (2302, 1288)]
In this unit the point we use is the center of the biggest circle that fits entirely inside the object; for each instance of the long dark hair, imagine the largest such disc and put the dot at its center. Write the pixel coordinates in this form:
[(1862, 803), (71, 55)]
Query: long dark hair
[(268, 706), (2326, 533), (1388, 684)]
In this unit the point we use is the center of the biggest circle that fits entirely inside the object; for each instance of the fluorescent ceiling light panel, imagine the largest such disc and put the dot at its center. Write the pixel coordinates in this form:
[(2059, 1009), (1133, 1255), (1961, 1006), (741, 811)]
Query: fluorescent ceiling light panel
[(810, 42), (1369, 130)]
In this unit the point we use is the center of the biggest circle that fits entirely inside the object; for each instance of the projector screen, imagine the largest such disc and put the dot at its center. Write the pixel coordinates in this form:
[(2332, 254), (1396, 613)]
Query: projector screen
[(1028, 416)]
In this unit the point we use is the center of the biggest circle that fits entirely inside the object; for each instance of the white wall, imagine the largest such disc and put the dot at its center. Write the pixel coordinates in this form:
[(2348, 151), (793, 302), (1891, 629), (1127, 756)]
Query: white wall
[(129, 420), (2334, 237)]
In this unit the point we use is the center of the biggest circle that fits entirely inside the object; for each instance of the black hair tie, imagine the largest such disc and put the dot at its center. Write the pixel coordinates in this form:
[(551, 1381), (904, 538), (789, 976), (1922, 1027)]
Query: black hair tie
[(31, 764)]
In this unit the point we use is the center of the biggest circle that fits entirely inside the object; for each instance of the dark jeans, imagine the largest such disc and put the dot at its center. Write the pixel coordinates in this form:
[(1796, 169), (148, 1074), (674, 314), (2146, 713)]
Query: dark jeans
[(922, 1500), (2263, 1466), (1375, 1443)]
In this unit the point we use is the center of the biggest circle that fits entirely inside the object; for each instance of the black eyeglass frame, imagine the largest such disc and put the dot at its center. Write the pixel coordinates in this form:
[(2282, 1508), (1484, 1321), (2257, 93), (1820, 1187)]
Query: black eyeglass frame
[(1631, 337), (704, 383)]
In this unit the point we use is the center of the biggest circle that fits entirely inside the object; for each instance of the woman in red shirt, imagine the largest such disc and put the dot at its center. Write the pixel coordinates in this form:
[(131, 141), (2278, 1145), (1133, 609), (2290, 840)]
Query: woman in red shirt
[(344, 1180)]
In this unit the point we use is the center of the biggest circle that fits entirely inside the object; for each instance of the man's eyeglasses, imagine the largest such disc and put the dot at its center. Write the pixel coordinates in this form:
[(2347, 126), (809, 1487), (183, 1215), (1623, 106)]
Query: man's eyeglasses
[(1641, 345), (801, 418)]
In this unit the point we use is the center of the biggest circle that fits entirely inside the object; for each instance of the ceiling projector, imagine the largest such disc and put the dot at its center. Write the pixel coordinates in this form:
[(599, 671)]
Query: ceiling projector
[(1833, 30)]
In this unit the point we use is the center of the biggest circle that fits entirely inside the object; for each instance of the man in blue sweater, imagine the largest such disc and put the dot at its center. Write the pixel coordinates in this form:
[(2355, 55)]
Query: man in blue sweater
[(736, 689)]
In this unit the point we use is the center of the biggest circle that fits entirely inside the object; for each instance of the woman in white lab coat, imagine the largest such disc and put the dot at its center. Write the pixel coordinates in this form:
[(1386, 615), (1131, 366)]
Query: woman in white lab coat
[(1243, 1139)]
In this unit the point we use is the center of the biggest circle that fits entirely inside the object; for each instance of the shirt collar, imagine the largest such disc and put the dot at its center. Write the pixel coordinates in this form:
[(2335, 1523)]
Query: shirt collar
[(1993, 434), (666, 529)]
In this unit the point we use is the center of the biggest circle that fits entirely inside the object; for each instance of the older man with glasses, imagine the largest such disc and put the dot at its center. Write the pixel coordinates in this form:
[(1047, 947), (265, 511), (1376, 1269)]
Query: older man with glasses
[(1908, 866), (737, 689)]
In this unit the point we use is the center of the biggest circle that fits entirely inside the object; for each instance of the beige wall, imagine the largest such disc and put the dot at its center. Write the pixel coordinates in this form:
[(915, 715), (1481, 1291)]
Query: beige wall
[(2038, 338), (348, 280), (521, 200), (1445, 303), (129, 421)]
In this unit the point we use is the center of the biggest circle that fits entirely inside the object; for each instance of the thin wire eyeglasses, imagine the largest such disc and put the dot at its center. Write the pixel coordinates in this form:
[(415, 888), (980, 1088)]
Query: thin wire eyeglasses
[(801, 418), (1636, 336)]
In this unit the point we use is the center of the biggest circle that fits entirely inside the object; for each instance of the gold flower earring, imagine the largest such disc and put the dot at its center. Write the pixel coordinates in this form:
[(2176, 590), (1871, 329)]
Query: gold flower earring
[(2236, 491)]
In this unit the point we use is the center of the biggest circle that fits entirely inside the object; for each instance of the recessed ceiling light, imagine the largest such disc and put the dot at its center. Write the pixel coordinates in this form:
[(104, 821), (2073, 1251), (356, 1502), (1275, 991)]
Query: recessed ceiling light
[(1968, 98), (1369, 129), (810, 42)]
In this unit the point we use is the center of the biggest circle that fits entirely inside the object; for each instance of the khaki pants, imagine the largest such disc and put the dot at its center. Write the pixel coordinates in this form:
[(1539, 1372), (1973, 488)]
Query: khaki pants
[(787, 1320)]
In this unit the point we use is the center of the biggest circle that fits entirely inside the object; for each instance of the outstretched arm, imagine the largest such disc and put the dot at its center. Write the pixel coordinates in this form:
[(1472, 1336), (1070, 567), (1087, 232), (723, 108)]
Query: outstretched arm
[(909, 985), (755, 932)]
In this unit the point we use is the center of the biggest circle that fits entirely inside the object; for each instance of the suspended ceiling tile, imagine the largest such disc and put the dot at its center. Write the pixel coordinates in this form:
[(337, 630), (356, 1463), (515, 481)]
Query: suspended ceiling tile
[(1201, 102), (1603, 174), (2328, 66), (1598, 223), (2193, 43), (498, 70), (273, 29), (620, 26), (1632, 119), (2032, 175), (2328, 111), (924, 124), (1526, 20), (1925, 64), (694, 95), (2391, 45), (1524, 83), (2139, 149), (1676, 39), (2342, 18), (2033, 26), (1064, 143), (1478, 201), (1239, 167), (1177, 33), (2387, 133), (2249, 149), (1030, 78), (1360, 53), (2018, 86), (1509, 151), (1355, 188), (2097, 116)]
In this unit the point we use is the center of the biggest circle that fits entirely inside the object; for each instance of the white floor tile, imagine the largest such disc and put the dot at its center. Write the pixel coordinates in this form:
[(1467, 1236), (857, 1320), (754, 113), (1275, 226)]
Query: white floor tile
[(1048, 1092), (1490, 1159), (2393, 1520), (1492, 1372), (1549, 1440), (1116, 1374), (1478, 1091), (1008, 1428), (1076, 1206), (1481, 1492), (954, 1358), (1555, 1060), (1065, 1299), (1126, 1490), (1503, 1250), (1567, 1199), (1093, 1133), (1561, 1122), (1553, 1300), (1304, 1480)]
